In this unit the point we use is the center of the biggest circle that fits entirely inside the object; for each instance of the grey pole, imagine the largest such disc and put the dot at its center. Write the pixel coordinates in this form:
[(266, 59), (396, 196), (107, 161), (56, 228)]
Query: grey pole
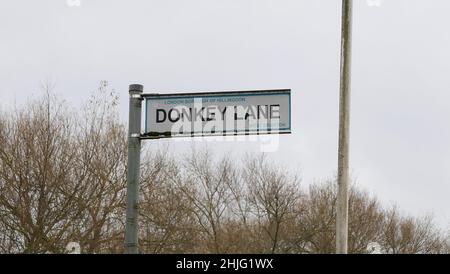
[(134, 155), (344, 130)]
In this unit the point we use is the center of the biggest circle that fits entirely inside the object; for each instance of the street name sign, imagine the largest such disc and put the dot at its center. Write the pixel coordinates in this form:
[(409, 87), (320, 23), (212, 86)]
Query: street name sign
[(217, 113)]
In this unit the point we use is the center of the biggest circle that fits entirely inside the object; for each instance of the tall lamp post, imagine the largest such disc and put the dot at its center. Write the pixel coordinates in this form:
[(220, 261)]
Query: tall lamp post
[(344, 130)]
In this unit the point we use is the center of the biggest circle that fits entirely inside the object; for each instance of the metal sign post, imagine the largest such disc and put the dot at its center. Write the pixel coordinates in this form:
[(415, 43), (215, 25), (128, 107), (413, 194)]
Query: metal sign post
[(134, 159), (344, 130)]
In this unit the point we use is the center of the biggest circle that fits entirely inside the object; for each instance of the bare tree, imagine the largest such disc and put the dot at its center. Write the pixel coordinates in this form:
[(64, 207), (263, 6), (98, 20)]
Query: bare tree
[(101, 167), (205, 185), (407, 235), (317, 225), (314, 229), (273, 195), (365, 220), (168, 224), (38, 189)]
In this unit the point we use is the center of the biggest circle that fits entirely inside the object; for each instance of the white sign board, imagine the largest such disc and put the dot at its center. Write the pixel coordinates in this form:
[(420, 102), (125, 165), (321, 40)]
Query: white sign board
[(217, 113)]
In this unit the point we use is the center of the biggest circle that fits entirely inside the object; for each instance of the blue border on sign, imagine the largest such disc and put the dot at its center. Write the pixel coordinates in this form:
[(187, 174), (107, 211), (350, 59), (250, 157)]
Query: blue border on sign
[(162, 97)]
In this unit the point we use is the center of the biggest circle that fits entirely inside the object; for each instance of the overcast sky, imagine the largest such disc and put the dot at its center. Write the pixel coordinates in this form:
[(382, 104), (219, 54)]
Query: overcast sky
[(400, 131)]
